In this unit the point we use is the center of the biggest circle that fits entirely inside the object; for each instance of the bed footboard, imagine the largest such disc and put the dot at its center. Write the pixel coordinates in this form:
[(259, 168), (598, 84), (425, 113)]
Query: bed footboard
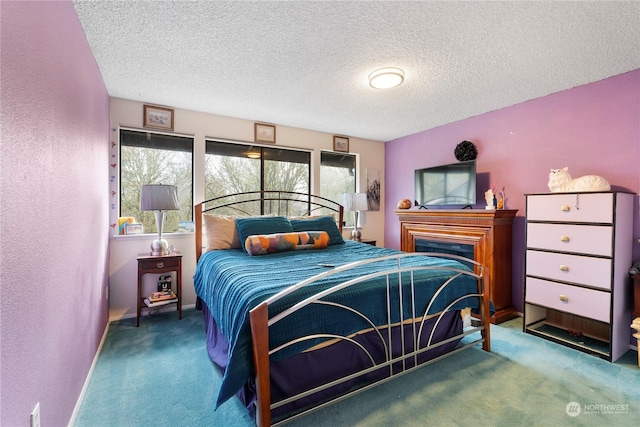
[(259, 318), (400, 280)]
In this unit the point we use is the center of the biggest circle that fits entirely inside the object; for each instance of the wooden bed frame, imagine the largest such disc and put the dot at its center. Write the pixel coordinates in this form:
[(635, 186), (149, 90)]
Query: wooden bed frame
[(409, 353)]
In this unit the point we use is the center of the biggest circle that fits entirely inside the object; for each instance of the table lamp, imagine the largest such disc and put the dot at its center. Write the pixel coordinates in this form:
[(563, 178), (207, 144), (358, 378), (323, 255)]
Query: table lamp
[(355, 202), (159, 198)]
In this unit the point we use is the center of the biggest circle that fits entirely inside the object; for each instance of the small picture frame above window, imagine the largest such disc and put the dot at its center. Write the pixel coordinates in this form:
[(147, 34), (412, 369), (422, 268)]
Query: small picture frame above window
[(340, 143), (158, 117), (264, 133)]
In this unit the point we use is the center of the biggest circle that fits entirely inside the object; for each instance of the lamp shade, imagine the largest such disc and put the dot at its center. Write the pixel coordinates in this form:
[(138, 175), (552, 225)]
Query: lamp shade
[(354, 202), (159, 197)]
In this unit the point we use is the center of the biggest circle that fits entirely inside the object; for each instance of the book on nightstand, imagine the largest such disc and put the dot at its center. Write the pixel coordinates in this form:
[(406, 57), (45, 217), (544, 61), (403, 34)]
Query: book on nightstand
[(150, 303), (162, 296)]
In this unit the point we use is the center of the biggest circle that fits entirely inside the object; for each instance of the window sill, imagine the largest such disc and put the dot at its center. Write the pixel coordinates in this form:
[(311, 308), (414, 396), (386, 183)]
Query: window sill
[(147, 236)]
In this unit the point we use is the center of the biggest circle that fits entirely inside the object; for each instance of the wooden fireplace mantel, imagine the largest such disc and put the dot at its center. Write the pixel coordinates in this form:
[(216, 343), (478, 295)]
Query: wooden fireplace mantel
[(488, 231)]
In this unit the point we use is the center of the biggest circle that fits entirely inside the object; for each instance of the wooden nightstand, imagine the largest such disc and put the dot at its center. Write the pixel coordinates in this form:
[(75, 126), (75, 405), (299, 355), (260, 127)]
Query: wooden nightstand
[(368, 242), (158, 265)]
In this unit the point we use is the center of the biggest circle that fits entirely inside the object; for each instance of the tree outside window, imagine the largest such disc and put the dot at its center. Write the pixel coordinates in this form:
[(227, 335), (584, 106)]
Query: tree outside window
[(238, 168), (154, 158)]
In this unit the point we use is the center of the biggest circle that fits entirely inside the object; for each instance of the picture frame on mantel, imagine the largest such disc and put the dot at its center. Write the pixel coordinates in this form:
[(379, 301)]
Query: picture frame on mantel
[(264, 133), (158, 117), (341, 144)]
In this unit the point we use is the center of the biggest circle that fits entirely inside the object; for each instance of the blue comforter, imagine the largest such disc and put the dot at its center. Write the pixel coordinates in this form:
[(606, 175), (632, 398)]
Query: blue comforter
[(231, 283)]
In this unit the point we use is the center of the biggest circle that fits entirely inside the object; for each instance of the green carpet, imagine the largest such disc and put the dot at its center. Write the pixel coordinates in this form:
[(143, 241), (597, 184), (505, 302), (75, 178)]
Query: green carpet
[(159, 374)]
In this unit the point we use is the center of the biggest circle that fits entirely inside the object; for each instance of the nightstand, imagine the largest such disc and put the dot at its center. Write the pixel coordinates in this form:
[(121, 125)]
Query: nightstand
[(158, 265), (368, 242)]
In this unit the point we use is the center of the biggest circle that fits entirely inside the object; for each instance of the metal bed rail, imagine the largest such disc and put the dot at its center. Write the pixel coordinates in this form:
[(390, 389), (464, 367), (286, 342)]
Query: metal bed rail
[(409, 351)]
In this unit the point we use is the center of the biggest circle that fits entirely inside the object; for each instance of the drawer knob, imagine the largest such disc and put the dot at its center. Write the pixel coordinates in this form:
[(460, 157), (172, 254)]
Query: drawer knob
[(160, 265), (564, 238), (564, 298), (564, 268), (565, 208)]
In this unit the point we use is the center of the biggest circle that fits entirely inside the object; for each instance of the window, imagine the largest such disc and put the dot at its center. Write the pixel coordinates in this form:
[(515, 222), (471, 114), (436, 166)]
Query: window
[(236, 168), (155, 158), (337, 177)]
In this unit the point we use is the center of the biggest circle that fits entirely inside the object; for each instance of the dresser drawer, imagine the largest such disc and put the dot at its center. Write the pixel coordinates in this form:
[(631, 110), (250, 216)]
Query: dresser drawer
[(595, 272), (571, 299), (571, 207), (583, 239)]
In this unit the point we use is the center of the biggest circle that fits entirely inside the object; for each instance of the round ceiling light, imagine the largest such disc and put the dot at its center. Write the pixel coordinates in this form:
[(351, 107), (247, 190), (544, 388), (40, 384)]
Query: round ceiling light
[(386, 78)]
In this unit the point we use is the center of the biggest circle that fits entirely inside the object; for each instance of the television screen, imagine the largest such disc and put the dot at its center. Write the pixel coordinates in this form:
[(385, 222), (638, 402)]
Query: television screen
[(451, 185)]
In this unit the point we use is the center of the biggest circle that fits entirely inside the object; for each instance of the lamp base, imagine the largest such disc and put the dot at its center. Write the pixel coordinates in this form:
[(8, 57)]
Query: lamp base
[(159, 247), (356, 235)]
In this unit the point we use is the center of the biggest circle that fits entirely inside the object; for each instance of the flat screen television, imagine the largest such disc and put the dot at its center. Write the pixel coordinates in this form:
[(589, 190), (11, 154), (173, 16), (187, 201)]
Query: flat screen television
[(448, 186)]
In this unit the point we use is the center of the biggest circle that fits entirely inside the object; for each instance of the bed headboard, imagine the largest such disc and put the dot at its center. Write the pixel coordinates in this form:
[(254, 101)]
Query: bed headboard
[(251, 203)]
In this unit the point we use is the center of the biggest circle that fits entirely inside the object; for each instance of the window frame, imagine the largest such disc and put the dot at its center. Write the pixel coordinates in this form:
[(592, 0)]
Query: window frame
[(245, 147), (189, 212), (348, 219)]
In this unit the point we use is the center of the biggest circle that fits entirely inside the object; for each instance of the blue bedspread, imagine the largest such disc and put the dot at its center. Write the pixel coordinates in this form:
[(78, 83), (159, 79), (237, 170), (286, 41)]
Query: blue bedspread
[(230, 282)]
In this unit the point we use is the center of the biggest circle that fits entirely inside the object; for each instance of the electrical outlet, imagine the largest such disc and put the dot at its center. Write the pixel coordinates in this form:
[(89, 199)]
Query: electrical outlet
[(35, 416)]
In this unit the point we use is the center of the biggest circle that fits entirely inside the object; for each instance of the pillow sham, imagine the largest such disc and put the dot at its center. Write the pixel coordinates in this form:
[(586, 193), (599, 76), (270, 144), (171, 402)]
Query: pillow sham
[(220, 232), (322, 223), (307, 217), (262, 225), (263, 244)]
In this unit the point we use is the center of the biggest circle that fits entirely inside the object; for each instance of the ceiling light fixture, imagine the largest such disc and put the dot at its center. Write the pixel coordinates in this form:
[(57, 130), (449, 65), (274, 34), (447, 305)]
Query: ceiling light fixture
[(386, 78), (253, 154)]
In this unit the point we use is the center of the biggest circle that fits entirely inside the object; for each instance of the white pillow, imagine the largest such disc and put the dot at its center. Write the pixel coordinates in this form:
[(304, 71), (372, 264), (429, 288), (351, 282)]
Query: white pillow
[(220, 232)]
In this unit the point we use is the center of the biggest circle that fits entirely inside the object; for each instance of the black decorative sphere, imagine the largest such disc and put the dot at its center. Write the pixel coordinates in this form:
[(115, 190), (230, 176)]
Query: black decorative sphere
[(465, 151)]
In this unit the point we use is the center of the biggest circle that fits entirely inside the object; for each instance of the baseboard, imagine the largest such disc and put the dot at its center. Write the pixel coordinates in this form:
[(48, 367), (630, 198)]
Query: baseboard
[(76, 409), (162, 309)]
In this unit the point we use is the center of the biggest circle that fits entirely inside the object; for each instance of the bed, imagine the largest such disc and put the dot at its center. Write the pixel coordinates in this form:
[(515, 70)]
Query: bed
[(298, 318)]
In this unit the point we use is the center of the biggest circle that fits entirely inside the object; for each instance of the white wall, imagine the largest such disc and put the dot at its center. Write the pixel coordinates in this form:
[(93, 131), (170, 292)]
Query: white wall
[(124, 249)]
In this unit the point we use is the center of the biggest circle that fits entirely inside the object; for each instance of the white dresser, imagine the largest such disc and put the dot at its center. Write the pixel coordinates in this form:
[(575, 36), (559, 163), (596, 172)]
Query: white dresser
[(578, 253)]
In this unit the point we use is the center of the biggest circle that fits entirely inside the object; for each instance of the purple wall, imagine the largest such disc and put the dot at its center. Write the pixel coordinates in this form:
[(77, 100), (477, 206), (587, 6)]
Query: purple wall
[(592, 129), (54, 211)]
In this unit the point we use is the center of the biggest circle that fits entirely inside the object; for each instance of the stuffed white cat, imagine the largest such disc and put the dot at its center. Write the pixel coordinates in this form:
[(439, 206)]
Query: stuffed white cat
[(560, 181)]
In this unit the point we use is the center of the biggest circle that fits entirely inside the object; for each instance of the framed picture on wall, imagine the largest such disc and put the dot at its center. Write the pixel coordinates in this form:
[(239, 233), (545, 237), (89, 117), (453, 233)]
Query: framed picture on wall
[(373, 189), (340, 143), (264, 133), (158, 117)]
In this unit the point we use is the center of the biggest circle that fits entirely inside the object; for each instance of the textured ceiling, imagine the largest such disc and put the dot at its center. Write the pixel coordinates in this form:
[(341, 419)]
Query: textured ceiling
[(305, 64)]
